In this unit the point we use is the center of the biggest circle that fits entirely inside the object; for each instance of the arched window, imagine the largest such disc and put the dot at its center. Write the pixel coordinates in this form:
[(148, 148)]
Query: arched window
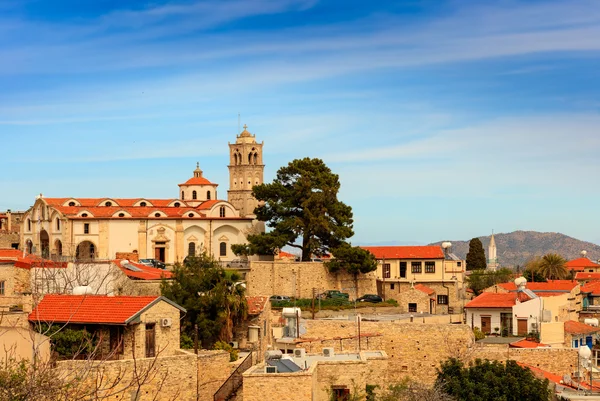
[(182, 195), (156, 214), (58, 247), (57, 224), (84, 214), (208, 195), (143, 204), (249, 158), (222, 211), (256, 158), (176, 204), (191, 215), (71, 203), (29, 246), (121, 214), (192, 249), (108, 203), (194, 195), (28, 224), (223, 249)]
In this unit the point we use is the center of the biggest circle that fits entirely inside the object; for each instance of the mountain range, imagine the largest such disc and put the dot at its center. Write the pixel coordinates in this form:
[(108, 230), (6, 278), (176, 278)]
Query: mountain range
[(516, 248)]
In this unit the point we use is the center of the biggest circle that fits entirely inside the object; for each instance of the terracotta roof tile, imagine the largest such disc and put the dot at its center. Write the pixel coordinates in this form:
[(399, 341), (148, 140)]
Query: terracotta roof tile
[(587, 276), (198, 181), (256, 304), (10, 253), (580, 264), (208, 204), (575, 327), (527, 344), (550, 285), (593, 288), (406, 252), (425, 289), (99, 309), (146, 273), (493, 300), (557, 379)]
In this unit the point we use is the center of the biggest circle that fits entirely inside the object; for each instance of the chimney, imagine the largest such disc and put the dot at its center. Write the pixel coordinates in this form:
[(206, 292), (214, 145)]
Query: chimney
[(9, 219)]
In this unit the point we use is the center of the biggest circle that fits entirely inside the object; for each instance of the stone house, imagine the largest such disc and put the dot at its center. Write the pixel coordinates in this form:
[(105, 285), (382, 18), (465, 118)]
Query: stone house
[(10, 223), (400, 268), (123, 327), (254, 333), (307, 377), (578, 334)]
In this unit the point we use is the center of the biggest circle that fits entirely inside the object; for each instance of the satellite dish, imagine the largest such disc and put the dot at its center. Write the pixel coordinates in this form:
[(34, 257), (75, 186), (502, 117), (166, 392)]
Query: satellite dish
[(583, 253), (446, 244)]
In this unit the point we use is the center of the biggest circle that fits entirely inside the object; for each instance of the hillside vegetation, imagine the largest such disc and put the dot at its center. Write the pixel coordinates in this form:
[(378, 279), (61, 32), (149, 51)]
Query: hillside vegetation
[(517, 247)]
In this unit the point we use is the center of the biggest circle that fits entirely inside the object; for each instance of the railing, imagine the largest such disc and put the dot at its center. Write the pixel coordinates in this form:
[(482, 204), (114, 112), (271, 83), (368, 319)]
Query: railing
[(234, 382)]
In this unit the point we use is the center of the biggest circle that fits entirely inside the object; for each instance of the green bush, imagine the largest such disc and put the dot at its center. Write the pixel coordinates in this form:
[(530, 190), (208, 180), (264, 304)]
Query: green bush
[(392, 302), (330, 304), (233, 353), (479, 335)]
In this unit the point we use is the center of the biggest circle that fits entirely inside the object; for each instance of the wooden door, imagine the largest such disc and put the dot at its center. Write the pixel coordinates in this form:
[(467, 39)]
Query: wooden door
[(150, 340), (157, 253), (522, 327), (486, 323)]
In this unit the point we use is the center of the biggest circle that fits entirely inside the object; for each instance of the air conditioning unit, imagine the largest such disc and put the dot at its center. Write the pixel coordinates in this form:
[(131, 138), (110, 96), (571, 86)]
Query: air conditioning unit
[(166, 322), (328, 352), (576, 375), (234, 344), (299, 353), (270, 369)]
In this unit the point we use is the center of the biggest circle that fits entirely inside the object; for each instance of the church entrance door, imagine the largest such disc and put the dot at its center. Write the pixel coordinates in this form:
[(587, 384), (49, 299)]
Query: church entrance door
[(159, 254)]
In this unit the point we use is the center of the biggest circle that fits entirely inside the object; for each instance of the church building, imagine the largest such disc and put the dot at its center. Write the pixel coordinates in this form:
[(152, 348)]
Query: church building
[(164, 229)]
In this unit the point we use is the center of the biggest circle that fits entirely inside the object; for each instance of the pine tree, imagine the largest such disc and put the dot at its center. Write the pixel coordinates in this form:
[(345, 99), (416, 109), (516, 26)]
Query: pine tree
[(476, 256)]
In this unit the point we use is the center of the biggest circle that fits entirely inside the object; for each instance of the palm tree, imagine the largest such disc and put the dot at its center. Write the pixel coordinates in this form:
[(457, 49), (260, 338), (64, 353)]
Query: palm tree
[(552, 266)]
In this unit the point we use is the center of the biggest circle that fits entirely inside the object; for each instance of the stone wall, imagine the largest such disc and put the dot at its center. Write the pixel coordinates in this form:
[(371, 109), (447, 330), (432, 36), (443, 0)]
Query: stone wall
[(297, 279), (9, 231), (297, 386), (414, 349), (355, 375), (171, 377), (556, 360), (213, 369), (16, 283)]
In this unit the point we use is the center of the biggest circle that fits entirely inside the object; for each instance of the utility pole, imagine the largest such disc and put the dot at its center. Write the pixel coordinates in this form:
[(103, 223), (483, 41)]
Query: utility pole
[(314, 294), (383, 275)]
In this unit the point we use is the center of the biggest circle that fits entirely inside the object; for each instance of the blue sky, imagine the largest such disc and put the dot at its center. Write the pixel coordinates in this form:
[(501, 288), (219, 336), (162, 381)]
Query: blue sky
[(444, 119)]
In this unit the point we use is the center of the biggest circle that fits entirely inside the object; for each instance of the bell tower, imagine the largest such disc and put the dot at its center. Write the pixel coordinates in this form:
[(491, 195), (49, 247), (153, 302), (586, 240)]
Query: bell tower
[(246, 169)]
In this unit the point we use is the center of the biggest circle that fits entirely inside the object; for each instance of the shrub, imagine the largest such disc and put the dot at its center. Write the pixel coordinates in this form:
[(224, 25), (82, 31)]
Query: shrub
[(479, 335), (233, 353)]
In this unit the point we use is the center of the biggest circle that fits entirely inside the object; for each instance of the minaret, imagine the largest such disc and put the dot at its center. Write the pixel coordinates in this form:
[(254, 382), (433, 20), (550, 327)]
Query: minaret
[(492, 258), (246, 169)]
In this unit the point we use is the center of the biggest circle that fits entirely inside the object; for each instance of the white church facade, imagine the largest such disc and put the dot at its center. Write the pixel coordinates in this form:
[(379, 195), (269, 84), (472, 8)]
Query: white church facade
[(163, 229)]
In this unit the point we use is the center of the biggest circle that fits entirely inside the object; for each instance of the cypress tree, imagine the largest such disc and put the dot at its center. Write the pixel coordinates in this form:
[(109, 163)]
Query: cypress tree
[(476, 256)]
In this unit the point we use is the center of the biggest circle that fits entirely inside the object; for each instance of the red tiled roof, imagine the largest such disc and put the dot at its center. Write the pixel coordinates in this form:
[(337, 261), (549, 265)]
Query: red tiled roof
[(550, 285), (425, 289), (593, 288), (208, 204), (124, 202), (10, 253), (575, 327), (198, 181), (557, 379), (580, 264), (286, 255), (256, 304), (493, 300), (527, 344), (146, 273), (99, 309), (134, 211), (587, 276), (406, 252)]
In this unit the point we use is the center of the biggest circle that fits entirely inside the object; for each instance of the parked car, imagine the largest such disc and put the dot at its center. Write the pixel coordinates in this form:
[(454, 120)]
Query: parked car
[(279, 298), (153, 263), (374, 299), (237, 264), (333, 294)]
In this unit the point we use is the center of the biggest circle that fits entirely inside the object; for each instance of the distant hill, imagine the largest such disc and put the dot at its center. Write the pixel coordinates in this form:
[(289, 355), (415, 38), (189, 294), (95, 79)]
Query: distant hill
[(517, 247)]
